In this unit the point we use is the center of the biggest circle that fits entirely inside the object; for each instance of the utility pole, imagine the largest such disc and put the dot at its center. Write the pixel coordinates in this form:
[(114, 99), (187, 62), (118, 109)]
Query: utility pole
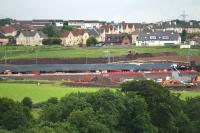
[(184, 16), (36, 57), (5, 56), (86, 62), (108, 55)]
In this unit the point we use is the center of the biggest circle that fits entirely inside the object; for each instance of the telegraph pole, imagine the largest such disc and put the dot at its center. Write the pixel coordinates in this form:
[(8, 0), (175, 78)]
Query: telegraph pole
[(5, 56)]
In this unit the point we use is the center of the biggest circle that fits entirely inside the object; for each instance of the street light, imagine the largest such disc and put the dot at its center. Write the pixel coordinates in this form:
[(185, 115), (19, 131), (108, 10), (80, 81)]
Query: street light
[(108, 54)]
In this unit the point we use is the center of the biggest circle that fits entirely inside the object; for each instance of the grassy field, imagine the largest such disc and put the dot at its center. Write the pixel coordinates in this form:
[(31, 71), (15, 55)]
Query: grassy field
[(18, 91), (27, 52), (188, 94)]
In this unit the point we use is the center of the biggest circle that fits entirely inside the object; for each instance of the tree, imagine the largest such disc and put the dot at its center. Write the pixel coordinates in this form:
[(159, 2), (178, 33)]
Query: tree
[(5, 21), (183, 36), (51, 31), (192, 108), (91, 41), (27, 102), (14, 119), (165, 108), (52, 100), (67, 28), (13, 114)]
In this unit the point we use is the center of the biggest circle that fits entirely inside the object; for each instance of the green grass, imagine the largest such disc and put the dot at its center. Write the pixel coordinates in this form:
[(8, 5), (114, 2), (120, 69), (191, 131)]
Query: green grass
[(27, 52), (188, 94), (17, 91)]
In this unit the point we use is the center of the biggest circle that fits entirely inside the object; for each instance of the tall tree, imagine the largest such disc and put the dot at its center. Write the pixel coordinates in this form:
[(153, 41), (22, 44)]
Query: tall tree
[(91, 41), (51, 31), (183, 36)]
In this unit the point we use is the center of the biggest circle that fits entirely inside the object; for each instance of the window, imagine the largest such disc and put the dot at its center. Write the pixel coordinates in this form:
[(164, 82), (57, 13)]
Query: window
[(153, 37), (165, 37)]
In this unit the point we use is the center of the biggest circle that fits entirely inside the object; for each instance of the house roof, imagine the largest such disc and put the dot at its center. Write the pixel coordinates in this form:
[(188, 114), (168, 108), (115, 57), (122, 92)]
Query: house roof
[(124, 25), (33, 33), (116, 38), (93, 32), (2, 35), (107, 27), (7, 29), (65, 34), (159, 35), (76, 32)]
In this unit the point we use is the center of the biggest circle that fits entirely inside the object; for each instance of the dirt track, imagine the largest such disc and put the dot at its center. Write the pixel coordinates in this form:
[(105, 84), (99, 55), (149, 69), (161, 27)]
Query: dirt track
[(145, 57)]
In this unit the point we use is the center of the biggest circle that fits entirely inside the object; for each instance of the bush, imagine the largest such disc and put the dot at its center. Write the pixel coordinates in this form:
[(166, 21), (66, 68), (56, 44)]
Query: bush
[(91, 41), (52, 41), (53, 100), (27, 102)]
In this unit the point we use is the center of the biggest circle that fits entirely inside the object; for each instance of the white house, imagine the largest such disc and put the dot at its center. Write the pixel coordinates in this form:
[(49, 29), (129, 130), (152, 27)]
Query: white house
[(158, 38)]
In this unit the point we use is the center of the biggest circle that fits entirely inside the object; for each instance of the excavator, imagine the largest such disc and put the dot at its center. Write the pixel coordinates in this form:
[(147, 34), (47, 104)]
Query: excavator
[(178, 80)]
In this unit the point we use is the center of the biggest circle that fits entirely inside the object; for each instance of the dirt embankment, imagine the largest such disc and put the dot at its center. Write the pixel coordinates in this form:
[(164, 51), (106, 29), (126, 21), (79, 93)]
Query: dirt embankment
[(128, 57)]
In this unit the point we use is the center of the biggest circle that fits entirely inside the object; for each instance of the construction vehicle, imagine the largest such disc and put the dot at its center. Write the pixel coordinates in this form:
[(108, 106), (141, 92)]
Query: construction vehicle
[(7, 72), (178, 80)]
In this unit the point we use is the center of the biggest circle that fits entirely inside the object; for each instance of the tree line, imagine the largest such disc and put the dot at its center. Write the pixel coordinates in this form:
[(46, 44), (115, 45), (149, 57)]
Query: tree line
[(138, 107)]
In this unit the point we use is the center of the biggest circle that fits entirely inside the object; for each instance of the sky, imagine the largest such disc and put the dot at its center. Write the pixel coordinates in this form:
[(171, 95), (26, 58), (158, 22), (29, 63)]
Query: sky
[(105, 10)]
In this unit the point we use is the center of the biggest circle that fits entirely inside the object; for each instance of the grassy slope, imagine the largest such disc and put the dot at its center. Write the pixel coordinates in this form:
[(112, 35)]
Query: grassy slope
[(17, 52), (188, 94), (18, 91)]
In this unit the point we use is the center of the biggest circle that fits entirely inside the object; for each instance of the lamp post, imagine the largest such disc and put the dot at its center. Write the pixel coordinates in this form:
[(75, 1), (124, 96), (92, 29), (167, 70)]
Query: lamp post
[(108, 54)]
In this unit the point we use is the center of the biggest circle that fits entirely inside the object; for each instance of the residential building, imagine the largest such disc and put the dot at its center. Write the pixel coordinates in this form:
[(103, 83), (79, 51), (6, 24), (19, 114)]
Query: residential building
[(39, 23), (93, 24), (30, 38), (3, 39), (120, 39), (159, 38), (126, 28), (195, 40), (72, 38), (92, 32), (84, 24), (8, 30), (76, 23)]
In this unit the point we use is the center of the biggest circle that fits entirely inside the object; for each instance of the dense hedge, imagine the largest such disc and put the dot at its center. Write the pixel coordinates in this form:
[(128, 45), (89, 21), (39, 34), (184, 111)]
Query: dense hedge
[(52, 41)]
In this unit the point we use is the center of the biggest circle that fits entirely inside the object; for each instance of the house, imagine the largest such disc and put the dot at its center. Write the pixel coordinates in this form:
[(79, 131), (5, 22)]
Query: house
[(126, 28), (8, 30), (124, 39), (158, 38), (39, 23), (30, 38), (195, 40), (93, 24), (84, 24), (177, 26), (76, 23), (3, 39), (71, 38), (97, 33), (80, 36)]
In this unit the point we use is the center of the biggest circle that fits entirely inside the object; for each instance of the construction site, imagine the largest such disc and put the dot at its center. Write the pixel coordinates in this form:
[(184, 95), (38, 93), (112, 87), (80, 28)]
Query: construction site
[(167, 69)]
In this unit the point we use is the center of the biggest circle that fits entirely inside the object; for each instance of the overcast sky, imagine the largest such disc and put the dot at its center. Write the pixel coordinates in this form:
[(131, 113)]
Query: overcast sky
[(117, 10)]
